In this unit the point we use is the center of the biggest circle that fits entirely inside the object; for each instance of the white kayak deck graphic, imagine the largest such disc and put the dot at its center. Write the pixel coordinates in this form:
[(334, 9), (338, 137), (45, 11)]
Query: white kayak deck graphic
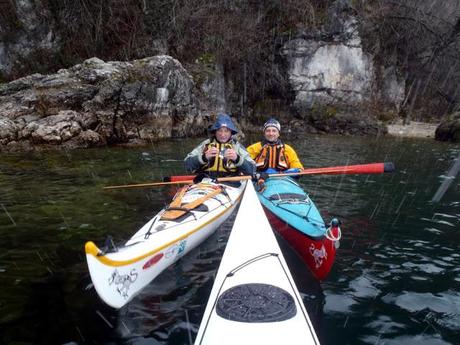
[(254, 299)]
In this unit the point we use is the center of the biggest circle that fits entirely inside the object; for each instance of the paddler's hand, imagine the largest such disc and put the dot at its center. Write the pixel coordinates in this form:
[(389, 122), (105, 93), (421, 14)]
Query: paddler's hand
[(291, 171), (198, 178), (211, 152), (231, 154), (259, 178)]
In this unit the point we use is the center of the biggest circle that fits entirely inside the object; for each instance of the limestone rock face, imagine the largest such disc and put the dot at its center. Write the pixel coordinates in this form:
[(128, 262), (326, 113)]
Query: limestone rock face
[(338, 72), (335, 81), (97, 102), (333, 72)]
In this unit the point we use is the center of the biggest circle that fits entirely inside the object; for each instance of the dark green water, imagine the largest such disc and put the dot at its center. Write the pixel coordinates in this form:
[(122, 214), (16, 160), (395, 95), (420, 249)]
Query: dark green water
[(396, 279)]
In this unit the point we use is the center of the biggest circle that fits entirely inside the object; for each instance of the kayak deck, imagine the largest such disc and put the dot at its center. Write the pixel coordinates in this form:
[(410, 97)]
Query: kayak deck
[(254, 298)]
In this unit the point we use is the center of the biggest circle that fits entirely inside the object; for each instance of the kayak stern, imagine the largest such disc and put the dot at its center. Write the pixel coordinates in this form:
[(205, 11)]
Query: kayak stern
[(294, 216), (317, 252)]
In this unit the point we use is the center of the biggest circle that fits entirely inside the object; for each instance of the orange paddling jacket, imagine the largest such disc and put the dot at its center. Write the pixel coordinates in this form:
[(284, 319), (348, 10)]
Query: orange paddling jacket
[(277, 156)]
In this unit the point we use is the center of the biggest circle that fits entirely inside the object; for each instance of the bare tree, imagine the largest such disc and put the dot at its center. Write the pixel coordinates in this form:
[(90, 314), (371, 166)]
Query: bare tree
[(422, 38)]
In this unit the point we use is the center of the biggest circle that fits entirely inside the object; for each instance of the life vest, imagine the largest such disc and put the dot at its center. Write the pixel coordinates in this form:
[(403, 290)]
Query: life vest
[(272, 156), (219, 163)]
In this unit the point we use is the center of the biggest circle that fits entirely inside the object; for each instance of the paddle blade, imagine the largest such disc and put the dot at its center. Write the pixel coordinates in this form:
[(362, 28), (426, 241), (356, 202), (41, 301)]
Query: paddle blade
[(373, 168), (389, 167), (178, 178)]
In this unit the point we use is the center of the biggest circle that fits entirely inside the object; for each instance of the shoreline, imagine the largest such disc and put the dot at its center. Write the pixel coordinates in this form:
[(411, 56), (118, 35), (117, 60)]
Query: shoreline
[(413, 130)]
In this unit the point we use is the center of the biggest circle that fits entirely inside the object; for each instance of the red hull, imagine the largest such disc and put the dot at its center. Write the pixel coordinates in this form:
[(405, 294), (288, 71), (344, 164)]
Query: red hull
[(317, 253)]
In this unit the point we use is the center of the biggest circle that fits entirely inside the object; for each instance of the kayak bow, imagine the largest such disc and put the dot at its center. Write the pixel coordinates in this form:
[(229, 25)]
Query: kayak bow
[(254, 298)]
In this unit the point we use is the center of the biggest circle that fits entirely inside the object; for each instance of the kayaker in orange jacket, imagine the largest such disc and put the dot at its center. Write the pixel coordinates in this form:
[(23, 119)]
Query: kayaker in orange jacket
[(271, 154)]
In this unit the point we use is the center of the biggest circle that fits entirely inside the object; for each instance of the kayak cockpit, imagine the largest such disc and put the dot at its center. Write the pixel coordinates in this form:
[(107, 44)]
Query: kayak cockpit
[(284, 198), (292, 198)]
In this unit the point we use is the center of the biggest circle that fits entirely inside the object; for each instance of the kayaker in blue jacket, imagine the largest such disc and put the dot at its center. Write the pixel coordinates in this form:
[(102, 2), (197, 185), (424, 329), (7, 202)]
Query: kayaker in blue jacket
[(221, 155), (271, 154)]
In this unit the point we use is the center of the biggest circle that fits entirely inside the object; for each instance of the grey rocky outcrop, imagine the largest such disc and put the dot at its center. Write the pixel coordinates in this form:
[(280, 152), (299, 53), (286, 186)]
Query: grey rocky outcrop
[(97, 102), (449, 128)]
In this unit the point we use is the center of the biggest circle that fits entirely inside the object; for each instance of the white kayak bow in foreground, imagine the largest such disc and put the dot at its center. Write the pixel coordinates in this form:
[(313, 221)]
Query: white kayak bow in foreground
[(195, 213), (254, 299)]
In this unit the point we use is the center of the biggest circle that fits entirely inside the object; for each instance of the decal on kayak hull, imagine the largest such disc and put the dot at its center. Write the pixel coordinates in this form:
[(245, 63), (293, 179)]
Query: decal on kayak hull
[(256, 302), (122, 282), (309, 249), (181, 247), (153, 261), (176, 249), (318, 254)]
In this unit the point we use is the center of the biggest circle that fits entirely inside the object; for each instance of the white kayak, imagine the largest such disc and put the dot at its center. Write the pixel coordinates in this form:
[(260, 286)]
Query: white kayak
[(254, 299), (193, 215)]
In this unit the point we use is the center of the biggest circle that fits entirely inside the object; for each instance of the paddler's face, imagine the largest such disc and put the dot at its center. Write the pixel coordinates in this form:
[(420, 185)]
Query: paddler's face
[(271, 134), (223, 134)]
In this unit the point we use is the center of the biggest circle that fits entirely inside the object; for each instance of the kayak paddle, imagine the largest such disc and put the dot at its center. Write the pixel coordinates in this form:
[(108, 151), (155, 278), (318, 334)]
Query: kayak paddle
[(372, 168)]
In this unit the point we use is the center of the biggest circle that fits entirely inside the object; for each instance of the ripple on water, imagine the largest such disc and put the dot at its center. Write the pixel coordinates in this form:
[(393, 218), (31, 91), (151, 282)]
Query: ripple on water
[(434, 231), (450, 322), (444, 215), (424, 339), (426, 268), (363, 287), (338, 303), (385, 325), (446, 305), (447, 302), (443, 219), (444, 222)]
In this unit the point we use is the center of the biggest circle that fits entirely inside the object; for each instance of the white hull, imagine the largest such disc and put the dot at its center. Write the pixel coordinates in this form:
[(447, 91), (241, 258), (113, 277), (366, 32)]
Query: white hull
[(121, 275), (254, 299)]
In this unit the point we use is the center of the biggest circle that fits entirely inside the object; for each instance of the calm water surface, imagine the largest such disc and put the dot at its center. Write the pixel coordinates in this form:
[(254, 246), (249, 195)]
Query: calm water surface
[(396, 278)]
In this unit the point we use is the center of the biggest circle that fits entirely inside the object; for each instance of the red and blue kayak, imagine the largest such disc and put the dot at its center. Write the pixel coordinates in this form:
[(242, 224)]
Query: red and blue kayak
[(295, 217)]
